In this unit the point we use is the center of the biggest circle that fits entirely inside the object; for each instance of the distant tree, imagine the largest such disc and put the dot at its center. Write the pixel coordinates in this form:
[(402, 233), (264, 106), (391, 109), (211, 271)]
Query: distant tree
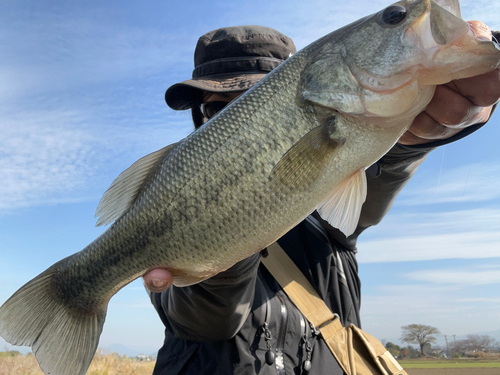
[(393, 349), (428, 348), (474, 343), (420, 334), (10, 353), (412, 352), (405, 352)]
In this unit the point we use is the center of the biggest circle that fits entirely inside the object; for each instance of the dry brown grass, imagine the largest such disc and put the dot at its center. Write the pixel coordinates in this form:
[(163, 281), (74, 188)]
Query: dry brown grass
[(103, 364)]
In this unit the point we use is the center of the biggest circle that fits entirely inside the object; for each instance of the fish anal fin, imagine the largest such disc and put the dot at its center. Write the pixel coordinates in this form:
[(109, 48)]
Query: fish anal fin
[(305, 161), (123, 191), (343, 207)]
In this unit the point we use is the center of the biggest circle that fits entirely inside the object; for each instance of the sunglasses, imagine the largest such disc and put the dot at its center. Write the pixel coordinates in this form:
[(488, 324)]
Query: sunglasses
[(210, 109)]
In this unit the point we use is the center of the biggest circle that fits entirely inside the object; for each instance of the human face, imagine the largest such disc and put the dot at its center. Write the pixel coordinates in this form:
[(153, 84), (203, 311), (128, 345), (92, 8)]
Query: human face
[(214, 102)]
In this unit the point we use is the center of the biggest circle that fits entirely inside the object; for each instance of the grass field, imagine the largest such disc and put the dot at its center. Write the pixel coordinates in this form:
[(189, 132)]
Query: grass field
[(113, 364), (453, 367), (451, 364), (103, 364), (454, 371)]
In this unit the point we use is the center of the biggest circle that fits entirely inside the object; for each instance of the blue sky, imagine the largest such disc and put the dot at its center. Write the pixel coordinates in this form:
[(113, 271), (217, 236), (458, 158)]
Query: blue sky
[(81, 98)]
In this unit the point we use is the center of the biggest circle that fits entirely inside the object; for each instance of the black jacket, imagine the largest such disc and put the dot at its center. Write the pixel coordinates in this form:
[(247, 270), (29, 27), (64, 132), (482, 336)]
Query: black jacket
[(226, 324)]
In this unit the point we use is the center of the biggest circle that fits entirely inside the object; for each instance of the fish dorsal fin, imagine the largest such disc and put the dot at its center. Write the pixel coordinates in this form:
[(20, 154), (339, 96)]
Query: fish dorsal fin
[(343, 207), (124, 189), (304, 162)]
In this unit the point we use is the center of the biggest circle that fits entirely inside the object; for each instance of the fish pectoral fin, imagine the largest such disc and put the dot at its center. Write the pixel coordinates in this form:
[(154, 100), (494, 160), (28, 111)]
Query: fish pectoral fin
[(123, 191), (304, 162), (343, 207)]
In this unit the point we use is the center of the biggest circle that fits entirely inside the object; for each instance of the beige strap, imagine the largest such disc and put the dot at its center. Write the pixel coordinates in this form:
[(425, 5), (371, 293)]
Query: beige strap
[(345, 344), (295, 284), (307, 300)]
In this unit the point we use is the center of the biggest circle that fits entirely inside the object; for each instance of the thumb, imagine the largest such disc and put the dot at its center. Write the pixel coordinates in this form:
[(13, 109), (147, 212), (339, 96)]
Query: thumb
[(158, 280)]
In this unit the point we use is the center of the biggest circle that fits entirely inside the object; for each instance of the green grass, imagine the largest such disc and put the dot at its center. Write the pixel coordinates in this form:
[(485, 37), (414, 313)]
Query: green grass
[(445, 363)]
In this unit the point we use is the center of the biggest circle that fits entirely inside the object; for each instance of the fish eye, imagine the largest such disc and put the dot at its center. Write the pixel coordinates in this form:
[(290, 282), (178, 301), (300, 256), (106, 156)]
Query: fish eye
[(393, 15)]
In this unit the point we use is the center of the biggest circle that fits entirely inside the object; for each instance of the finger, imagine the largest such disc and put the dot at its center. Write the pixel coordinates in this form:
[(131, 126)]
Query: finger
[(410, 139), (480, 30), (482, 90), (457, 104), (425, 129), (158, 280), (451, 109)]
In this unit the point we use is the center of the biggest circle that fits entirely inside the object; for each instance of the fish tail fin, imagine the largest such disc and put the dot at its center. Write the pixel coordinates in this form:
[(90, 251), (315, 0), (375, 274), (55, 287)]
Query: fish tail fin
[(63, 340)]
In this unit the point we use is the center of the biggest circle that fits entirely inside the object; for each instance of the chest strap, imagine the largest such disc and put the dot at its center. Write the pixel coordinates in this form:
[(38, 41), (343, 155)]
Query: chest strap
[(357, 352)]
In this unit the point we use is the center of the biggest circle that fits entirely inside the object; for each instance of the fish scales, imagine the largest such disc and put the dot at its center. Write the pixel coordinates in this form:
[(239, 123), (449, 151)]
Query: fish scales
[(186, 223), (299, 140)]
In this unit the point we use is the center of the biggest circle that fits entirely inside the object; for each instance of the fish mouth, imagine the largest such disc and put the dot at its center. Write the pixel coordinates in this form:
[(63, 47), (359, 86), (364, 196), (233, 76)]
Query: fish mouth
[(452, 48), (435, 27), (438, 26), (452, 6), (442, 24)]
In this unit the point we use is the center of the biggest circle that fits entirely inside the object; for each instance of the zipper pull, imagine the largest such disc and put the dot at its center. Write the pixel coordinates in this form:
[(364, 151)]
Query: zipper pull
[(306, 366), (268, 337), (314, 330)]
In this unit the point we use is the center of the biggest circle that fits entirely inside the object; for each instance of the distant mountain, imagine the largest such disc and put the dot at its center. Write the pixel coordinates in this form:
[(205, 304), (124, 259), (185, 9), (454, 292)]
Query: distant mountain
[(4, 346), (115, 348), (131, 352)]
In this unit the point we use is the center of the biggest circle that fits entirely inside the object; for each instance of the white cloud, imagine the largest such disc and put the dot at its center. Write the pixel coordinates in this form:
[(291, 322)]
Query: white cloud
[(72, 155), (465, 276), (416, 248), (445, 307), (405, 223), (492, 300), (42, 157), (307, 21), (468, 183), (71, 109), (439, 235), (77, 102), (485, 11), (52, 50)]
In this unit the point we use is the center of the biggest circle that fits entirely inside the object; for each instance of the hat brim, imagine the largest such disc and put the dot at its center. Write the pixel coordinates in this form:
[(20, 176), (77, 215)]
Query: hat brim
[(187, 94)]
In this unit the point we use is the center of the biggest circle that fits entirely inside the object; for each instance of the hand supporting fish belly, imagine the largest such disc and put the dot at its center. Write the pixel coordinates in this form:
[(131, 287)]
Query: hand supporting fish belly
[(298, 141)]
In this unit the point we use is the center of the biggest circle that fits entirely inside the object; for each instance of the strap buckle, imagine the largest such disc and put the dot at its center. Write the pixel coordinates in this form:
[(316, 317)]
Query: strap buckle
[(335, 316)]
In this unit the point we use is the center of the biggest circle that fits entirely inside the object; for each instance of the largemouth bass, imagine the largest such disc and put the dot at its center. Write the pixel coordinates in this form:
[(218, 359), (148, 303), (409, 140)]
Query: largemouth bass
[(299, 141)]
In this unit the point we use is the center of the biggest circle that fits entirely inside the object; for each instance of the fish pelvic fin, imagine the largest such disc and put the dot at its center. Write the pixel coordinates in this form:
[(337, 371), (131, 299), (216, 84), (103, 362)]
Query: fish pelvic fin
[(123, 191), (343, 207), (64, 341)]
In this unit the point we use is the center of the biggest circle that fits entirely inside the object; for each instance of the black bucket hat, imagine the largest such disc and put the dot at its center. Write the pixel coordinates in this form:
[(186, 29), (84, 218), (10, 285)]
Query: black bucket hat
[(230, 59)]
